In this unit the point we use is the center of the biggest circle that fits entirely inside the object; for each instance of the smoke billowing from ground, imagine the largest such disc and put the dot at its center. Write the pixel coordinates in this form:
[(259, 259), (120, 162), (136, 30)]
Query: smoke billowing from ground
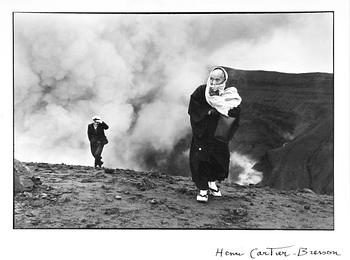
[(135, 71), (243, 167)]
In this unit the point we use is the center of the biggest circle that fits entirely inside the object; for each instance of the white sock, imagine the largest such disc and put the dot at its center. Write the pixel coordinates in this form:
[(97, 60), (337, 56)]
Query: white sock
[(212, 185), (203, 192)]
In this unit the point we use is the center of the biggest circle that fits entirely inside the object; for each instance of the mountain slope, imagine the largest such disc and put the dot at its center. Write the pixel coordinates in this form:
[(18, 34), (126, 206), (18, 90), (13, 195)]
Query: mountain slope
[(305, 162), (277, 107)]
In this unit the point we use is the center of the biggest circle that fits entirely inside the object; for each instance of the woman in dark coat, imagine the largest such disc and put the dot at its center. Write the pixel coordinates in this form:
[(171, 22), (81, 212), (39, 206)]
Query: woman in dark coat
[(214, 114)]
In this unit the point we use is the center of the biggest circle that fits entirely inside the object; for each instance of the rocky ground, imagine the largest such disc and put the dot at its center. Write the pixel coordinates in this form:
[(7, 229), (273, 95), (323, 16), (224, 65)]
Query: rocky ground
[(83, 197)]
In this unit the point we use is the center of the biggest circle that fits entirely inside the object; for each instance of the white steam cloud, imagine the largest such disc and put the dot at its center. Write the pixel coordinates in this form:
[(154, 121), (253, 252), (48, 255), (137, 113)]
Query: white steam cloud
[(243, 165), (135, 71)]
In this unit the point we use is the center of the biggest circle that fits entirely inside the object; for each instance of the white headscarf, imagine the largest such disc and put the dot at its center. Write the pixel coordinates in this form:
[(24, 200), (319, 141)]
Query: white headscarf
[(227, 98)]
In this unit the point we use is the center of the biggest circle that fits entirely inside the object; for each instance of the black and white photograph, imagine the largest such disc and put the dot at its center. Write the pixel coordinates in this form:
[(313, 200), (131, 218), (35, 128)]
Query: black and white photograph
[(186, 121), (142, 131)]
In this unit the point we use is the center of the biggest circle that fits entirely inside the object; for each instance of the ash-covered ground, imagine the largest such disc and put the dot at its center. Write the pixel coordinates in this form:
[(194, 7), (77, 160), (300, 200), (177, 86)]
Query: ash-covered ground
[(72, 196)]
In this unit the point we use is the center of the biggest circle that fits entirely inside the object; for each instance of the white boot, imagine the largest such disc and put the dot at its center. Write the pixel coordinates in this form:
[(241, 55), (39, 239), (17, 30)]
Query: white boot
[(202, 196), (213, 189)]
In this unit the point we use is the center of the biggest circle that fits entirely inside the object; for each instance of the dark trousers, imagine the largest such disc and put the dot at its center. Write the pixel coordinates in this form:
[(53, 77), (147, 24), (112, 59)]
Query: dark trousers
[(96, 151), (210, 163)]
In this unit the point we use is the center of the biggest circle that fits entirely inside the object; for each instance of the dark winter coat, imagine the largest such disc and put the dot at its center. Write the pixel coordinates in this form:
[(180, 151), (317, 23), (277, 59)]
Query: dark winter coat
[(98, 134), (209, 157)]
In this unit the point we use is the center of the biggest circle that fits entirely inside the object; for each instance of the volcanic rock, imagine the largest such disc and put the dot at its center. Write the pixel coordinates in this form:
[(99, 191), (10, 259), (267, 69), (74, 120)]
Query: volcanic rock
[(304, 163), (22, 177), (146, 184)]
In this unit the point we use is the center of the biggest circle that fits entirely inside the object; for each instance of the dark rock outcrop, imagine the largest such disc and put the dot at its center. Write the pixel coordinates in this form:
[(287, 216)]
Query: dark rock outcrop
[(306, 162), (22, 177), (279, 107)]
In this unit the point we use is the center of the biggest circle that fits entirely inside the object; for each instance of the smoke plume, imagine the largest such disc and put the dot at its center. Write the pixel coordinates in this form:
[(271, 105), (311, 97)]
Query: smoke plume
[(242, 166)]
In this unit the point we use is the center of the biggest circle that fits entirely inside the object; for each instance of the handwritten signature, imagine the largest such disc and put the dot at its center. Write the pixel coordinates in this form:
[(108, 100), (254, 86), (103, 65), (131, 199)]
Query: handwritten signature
[(284, 251)]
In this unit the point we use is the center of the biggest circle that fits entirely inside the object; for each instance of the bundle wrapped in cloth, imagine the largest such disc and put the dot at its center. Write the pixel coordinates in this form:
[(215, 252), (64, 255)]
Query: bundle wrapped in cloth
[(223, 97)]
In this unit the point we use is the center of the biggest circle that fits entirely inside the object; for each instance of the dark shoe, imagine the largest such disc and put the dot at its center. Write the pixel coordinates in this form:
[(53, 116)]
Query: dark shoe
[(100, 164)]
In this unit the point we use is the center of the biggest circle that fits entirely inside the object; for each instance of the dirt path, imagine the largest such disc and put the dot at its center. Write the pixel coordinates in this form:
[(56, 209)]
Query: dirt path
[(83, 197)]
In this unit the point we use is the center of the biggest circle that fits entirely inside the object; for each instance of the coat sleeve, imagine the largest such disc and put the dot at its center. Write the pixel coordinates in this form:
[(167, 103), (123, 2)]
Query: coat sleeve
[(198, 110), (89, 133), (235, 112), (104, 125)]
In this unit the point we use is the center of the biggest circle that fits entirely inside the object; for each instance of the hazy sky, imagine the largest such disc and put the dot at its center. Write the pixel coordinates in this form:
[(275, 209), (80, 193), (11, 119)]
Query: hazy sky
[(137, 72)]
